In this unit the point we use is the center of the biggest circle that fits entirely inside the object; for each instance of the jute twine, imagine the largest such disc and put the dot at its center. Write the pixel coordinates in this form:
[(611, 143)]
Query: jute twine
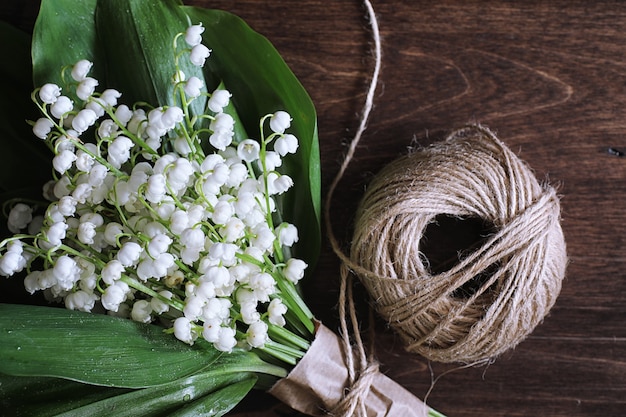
[(520, 264)]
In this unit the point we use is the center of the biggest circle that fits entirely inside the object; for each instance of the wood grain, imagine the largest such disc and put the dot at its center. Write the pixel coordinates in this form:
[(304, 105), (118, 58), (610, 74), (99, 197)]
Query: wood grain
[(550, 79)]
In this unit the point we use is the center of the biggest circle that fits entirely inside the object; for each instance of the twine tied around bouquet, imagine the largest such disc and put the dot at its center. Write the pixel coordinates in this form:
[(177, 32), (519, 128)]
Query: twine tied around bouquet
[(491, 298)]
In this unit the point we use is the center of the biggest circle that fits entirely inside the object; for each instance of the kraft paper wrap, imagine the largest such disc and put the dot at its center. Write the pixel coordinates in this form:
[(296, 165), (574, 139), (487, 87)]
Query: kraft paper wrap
[(319, 380)]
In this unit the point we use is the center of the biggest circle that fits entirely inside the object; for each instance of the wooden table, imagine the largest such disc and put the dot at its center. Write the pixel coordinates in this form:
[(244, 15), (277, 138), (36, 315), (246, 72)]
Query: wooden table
[(550, 79)]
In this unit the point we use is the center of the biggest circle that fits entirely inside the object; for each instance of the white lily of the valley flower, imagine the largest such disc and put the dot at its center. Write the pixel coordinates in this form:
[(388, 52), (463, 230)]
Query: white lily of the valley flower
[(199, 54), (193, 87), (84, 120), (257, 334), (19, 217), (193, 34), (61, 107), (294, 269), (286, 144), (219, 99), (49, 93), (280, 121), (226, 340), (86, 88), (42, 127), (141, 311), (81, 69), (248, 150)]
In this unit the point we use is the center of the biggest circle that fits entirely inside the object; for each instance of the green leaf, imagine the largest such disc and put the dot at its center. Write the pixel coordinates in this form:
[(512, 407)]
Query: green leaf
[(219, 402), (262, 83), (40, 396), (139, 55), (190, 392), (92, 348), (20, 148), (64, 33)]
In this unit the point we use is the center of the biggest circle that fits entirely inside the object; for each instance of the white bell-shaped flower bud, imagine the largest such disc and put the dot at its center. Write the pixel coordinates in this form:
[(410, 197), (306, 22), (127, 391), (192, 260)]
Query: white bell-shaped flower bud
[(193, 87), (159, 244), (233, 230), (80, 300), (263, 285), (61, 107), (119, 151), (181, 146), (276, 311), (222, 212), (112, 231), (109, 97), (171, 117), (193, 306), (272, 161), (199, 54), (160, 306), (66, 272), (63, 161), (156, 188), (67, 205), (86, 233), (19, 217), (294, 269), (237, 174), (280, 121), (84, 161), (81, 69), (123, 114), (193, 34), (287, 234), (226, 340), (219, 99), (211, 330), (286, 144), (263, 237), (129, 253), (49, 93), (256, 335), (42, 127), (112, 272), (248, 311), (11, 263), (141, 311), (114, 295), (86, 87), (84, 120)]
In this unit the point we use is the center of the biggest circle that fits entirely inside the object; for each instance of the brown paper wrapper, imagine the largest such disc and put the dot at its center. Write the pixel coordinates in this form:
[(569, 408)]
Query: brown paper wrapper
[(319, 380)]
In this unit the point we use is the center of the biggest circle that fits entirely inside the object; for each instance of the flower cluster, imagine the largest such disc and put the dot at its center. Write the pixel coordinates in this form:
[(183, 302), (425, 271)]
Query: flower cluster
[(161, 214)]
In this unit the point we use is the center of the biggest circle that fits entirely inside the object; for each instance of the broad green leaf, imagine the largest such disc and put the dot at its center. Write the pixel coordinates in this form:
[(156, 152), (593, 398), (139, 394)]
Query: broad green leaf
[(93, 348), (168, 398), (20, 148), (204, 394), (139, 55), (219, 402), (40, 396), (262, 83), (64, 33)]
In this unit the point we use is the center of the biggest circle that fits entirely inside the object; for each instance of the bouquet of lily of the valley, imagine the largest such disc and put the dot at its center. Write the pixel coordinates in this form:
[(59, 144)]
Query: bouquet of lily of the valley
[(182, 209)]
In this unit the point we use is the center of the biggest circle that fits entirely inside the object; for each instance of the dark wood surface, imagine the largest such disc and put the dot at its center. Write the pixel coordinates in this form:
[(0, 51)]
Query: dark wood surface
[(550, 79)]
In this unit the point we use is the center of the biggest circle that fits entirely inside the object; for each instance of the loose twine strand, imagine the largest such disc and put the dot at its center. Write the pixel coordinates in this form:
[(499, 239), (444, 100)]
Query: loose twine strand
[(361, 367), (519, 266)]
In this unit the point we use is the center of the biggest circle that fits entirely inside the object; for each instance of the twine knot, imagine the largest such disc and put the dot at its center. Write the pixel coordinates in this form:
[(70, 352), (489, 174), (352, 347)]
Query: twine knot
[(356, 394)]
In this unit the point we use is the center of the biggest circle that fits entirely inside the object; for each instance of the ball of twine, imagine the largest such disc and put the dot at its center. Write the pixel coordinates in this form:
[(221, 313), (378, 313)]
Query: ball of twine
[(518, 268)]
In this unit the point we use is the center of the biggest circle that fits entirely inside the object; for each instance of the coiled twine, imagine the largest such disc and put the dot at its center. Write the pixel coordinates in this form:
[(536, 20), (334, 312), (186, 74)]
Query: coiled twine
[(516, 272)]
